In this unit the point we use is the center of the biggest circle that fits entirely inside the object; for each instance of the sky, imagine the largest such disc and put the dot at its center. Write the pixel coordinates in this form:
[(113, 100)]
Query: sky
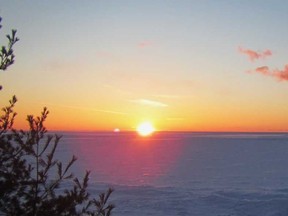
[(182, 65)]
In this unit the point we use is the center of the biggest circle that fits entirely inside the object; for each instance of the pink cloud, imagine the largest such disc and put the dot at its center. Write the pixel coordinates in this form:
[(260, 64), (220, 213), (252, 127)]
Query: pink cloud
[(254, 55), (281, 75), (144, 44), (263, 70)]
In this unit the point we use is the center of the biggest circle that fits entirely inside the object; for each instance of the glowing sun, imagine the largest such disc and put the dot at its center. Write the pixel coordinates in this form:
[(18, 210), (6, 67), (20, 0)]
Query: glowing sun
[(145, 129)]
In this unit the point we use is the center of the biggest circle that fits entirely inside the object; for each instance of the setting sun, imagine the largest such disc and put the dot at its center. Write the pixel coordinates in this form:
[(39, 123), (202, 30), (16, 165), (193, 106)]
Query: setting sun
[(145, 129)]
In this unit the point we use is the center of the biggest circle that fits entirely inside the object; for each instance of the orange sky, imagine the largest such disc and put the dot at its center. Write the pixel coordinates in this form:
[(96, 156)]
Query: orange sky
[(184, 66)]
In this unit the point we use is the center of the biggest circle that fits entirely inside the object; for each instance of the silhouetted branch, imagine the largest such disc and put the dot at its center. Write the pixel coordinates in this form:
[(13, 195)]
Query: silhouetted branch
[(29, 172)]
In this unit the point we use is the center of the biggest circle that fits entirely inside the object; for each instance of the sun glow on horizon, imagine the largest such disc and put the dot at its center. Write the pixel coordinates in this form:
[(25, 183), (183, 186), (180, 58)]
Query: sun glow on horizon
[(145, 129)]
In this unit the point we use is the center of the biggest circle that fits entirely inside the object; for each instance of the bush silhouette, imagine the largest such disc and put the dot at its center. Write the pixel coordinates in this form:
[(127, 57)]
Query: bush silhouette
[(31, 178)]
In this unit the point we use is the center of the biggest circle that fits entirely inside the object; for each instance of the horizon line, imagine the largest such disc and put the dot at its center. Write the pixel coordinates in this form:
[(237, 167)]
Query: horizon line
[(163, 131)]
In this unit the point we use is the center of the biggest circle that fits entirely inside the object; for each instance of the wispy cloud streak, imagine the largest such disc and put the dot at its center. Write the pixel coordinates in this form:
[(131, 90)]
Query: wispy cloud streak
[(167, 96), (175, 119), (110, 111), (149, 103), (255, 55), (89, 109)]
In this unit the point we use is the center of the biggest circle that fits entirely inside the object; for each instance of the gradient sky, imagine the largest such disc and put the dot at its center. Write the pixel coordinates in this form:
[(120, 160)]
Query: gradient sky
[(183, 65)]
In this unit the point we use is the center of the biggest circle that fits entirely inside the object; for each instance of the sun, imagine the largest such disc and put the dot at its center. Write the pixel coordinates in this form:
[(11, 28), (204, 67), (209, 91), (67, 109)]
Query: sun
[(145, 129)]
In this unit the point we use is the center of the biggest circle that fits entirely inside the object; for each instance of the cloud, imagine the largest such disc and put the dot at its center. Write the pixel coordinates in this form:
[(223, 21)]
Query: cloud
[(263, 70), (167, 96), (149, 103), (88, 109), (175, 119), (109, 111), (281, 75), (254, 55), (144, 44)]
